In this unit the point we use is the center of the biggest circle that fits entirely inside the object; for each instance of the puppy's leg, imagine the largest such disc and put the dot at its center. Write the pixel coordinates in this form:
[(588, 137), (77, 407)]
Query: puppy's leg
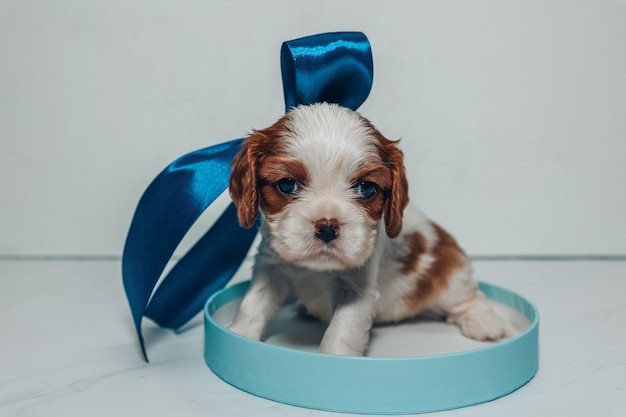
[(467, 307), (260, 304), (349, 329)]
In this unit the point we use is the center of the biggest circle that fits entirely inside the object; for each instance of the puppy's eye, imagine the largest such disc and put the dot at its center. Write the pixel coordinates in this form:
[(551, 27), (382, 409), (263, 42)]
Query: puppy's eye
[(366, 189), (287, 185)]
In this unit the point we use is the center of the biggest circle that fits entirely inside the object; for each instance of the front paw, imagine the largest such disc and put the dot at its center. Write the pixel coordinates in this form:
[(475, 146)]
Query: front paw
[(246, 330), (340, 350), (335, 346), (484, 323)]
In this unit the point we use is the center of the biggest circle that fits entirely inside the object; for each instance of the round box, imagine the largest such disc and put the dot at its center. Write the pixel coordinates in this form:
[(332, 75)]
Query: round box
[(373, 385)]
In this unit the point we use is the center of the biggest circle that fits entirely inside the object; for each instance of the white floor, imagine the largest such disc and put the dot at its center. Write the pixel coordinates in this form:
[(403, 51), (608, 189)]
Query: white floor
[(67, 347)]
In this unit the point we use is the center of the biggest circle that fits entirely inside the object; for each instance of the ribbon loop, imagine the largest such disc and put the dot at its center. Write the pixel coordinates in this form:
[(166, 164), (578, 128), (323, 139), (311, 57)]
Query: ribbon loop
[(332, 67), (329, 67)]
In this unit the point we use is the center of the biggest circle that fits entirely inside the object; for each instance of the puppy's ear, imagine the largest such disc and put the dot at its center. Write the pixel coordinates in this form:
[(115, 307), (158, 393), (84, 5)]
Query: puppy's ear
[(243, 183), (245, 168), (398, 195)]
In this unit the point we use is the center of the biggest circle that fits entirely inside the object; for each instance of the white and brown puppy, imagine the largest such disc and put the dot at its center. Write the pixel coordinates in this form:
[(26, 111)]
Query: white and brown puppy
[(338, 231)]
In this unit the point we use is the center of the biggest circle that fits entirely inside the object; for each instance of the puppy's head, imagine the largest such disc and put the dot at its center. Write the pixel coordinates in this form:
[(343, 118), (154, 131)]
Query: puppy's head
[(323, 178)]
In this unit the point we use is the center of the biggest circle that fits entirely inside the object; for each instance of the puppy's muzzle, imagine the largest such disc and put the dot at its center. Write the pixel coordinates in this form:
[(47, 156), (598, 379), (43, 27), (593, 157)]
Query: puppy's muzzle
[(327, 230)]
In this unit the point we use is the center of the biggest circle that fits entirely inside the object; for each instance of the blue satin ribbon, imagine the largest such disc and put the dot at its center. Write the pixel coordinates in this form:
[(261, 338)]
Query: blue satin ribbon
[(330, 67)]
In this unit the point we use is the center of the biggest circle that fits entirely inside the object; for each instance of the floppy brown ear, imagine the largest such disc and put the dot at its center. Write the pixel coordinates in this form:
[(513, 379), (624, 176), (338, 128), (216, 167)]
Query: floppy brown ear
[(243, 185), (398, 195), (244, 181)]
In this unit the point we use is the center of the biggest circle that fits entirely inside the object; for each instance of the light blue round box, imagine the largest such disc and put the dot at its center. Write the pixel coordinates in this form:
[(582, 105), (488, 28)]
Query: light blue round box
[(371, 385)]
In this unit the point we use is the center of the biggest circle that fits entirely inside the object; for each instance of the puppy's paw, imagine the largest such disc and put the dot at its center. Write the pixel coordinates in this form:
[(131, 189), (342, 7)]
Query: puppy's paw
[(485, 323), (341, 346), (246, 330), (340, 349)]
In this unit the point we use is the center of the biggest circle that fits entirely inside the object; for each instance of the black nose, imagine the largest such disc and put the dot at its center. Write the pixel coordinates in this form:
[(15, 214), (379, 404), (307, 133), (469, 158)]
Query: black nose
[(327, 230)]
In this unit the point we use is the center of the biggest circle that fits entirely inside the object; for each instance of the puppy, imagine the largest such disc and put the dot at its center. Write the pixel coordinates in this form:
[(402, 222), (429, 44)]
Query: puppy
[(337, 230)]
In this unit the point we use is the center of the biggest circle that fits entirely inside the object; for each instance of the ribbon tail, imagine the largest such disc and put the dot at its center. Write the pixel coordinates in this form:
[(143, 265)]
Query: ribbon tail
[(206, 268), (167, 209)]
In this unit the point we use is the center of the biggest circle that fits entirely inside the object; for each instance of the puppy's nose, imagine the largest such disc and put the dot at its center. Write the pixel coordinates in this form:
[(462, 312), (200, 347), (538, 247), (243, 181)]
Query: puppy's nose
[(326, 230)]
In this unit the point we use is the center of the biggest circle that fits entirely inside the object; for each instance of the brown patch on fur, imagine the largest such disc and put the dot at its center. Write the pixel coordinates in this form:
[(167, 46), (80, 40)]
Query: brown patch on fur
[(374, 172), (417, 246), (448, 257), (273, 169), (374, 206), (380, 175)]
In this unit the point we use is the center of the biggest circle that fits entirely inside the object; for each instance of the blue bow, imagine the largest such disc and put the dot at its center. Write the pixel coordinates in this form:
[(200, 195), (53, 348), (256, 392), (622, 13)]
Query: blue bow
[(330, 67)]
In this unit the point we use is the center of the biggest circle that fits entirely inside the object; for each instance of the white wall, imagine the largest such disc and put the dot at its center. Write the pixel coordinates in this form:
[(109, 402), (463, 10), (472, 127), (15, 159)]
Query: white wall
[(512, 113)]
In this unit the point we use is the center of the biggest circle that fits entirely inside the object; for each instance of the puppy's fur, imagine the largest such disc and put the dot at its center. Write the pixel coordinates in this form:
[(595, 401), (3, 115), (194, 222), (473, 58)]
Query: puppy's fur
[(338, 231)]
